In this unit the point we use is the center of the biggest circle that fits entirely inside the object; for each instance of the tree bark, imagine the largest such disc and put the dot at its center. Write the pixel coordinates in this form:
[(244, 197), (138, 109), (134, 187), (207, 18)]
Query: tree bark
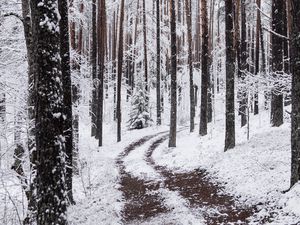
[(158, 60), (173, 113), (94, 68), (295, 69), (230, 72), (257, 68), (101, 67), (205, 73), (190, 63), (49, 110), (244, 65), (145, 50), (120, 64), (277, 62), (67, 92)]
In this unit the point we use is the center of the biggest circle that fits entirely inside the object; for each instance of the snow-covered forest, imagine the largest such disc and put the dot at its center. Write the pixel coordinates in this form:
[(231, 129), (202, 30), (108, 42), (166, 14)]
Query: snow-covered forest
[(150, 112)]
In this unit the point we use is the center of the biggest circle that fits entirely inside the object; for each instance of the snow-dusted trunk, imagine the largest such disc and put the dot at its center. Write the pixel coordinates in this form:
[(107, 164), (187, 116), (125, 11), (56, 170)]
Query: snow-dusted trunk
[(210, 93), (30, 193), (190, 63), (257, 52), (145, 48), (67, 92), (173, 113), (120, 65), (230, 73), (277, 61), (205, 70), (94, 68), (244, 65), (295, 69), (49, 111), (158, 60), (101, 67)]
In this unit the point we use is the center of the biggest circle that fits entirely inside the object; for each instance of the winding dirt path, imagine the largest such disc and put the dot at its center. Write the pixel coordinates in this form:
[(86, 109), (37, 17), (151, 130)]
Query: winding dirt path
[(202, 193), (142, 199)]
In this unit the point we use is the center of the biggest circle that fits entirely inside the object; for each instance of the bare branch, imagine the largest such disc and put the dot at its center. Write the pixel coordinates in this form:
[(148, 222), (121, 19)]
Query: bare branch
[(273, 32)]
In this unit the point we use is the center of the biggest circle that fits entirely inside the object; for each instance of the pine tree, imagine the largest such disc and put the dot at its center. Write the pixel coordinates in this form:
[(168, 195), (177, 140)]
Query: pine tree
[(67, 91), (190, 63), (277, 61), (243, 66), (49, 111), (139, 114), (173, 113), (295, 69), (94, 68), (120, 65), (230, 72), (205, 73), (158, 63), (101, 66)]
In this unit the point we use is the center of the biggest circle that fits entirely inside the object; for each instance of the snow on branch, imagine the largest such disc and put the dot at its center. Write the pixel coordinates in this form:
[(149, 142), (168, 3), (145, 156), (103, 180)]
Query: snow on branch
[(15, 15)]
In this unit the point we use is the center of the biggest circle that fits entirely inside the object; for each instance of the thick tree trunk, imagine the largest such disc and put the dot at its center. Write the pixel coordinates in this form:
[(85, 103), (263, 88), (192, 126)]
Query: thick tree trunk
[(101, 67), (277, 61), (230, 72), (205, 73), (51, 194), (295, 69), (173, 113), (67, 91), (120, 64)]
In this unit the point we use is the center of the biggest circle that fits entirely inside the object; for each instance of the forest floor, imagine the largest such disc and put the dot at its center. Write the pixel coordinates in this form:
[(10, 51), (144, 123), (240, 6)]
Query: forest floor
[(144, 200), (142, 181)]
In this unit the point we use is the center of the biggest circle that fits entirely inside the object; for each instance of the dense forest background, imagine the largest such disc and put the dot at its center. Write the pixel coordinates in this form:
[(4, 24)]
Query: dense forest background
[(81, 80)]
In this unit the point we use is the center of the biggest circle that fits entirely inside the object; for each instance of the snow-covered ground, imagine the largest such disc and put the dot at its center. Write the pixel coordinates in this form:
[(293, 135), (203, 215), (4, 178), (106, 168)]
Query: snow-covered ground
[(256, 172)]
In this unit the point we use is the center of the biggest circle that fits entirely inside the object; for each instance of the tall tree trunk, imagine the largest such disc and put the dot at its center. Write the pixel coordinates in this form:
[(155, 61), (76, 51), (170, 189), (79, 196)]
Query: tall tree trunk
[(114, 60), (295, 69), (173, 113), (210, 93), (101, 66), (30, 193), (277, 61), (67, 92), (257, 69), (190, 63), (94, 68), (285, 41), (145, 50), (120, 64), (49, 111), (205, 73), (158, 62), (230, 72), (244, 65)]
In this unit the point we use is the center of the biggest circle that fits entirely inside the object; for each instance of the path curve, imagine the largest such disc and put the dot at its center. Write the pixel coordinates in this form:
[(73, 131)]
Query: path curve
[(141, 197), (202, 193)]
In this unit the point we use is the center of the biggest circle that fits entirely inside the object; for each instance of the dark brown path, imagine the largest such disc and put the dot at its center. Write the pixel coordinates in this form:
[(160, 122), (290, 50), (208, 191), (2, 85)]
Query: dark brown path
[(201, 192), (141, 200)]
